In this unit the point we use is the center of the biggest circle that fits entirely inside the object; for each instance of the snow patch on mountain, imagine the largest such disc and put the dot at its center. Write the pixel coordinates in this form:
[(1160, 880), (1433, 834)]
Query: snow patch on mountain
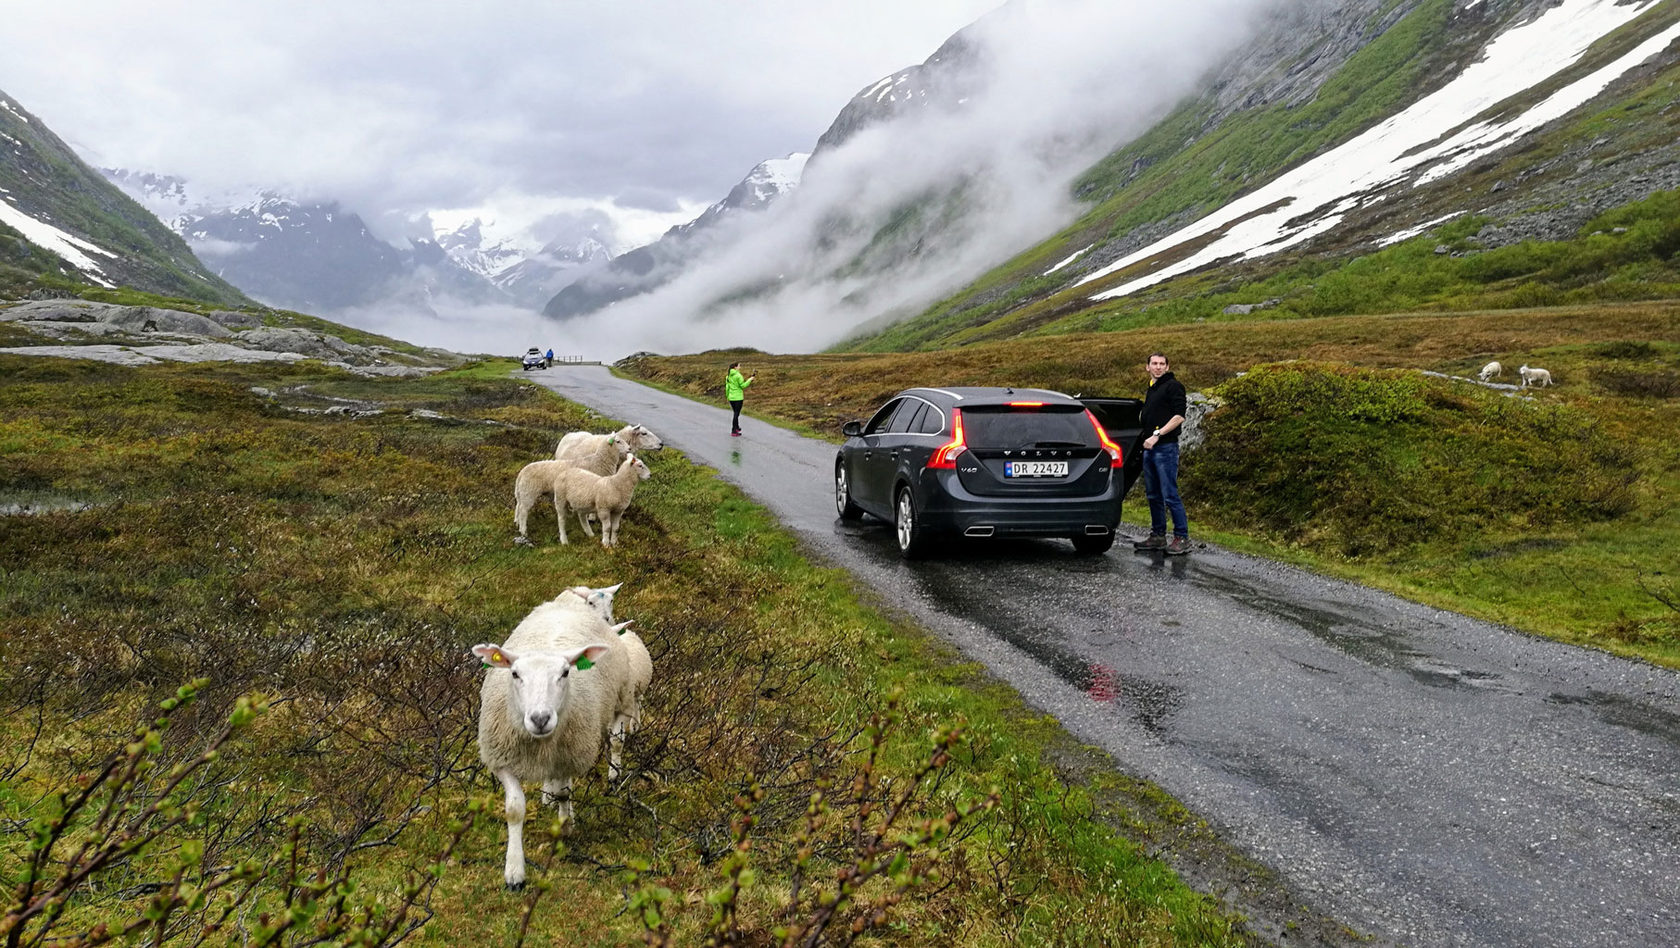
[(777, 177), (1411, 232), (1430, 139), (70, 247)]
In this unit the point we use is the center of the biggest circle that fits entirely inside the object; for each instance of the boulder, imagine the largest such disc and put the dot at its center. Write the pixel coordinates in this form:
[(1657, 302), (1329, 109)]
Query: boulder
[(133, 319), (304, 342)]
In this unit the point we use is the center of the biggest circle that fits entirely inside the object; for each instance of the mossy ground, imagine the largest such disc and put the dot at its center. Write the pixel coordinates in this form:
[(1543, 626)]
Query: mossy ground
[(344, 565)]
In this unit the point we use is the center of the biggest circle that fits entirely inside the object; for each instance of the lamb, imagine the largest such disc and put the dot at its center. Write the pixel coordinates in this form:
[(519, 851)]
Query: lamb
[(552, 694), (1536, 377), (536, 481), (1491, 370), (600, 599), (603, 453), (606, 497), (629, 719)]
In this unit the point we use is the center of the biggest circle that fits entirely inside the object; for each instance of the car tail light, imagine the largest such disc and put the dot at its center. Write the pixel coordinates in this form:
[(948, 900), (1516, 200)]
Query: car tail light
[(1026, 404), (1107, 442), (946, 457)]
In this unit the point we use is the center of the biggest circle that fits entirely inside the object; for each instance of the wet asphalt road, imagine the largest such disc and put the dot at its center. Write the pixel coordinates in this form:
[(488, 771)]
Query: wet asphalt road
[(1421, 777)]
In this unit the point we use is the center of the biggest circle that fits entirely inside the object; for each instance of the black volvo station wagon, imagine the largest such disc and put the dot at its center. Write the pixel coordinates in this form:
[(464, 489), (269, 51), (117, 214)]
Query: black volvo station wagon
[(985, 462)]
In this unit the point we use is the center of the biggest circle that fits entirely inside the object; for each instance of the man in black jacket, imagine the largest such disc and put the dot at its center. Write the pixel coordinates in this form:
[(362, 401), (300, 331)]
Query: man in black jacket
[(1164, 407)]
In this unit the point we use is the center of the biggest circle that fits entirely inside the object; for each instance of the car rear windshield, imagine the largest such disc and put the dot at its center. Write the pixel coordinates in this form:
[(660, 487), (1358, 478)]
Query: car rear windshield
[(1006, 426)]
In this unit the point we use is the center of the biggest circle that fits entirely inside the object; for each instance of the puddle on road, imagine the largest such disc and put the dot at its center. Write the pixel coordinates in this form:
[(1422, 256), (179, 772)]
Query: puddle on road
[(1364, 641)]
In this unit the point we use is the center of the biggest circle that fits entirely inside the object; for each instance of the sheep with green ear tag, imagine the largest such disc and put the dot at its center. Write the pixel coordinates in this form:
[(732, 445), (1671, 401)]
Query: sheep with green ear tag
[(550, 696)]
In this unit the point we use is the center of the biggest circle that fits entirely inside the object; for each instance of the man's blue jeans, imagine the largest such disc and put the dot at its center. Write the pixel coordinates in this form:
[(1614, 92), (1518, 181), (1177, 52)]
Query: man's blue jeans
[(1160, 485)]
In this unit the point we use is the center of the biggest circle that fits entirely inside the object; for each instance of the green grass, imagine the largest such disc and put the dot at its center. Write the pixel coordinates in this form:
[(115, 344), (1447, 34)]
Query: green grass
[(345, 565)]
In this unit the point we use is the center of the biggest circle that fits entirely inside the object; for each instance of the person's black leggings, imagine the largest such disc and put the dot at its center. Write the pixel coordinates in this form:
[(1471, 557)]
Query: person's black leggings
[(735, 424)]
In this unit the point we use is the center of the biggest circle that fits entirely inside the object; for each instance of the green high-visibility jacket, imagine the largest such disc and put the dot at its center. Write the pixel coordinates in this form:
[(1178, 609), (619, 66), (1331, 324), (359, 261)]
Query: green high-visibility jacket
[(735, 386)]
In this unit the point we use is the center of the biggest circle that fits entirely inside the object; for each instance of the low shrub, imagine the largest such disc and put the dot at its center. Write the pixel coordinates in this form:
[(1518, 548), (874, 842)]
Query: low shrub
[(1635, 383), (1362, 462)]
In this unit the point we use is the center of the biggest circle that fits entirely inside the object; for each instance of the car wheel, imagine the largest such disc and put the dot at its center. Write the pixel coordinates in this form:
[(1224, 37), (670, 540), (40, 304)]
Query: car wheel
[(1093, 546), (912, 538), (843, 495)]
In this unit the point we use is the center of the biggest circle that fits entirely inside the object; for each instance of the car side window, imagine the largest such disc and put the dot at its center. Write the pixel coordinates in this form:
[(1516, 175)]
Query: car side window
[(908, 416), (931, 421), (878, 424)]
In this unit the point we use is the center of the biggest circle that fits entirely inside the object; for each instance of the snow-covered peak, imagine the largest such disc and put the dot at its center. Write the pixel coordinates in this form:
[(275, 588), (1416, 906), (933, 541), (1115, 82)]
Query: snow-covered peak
[(776, 177)]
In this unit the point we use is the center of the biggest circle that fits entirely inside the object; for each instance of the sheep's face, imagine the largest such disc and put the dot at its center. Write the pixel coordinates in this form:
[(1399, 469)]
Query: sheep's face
[(641, 439), (538, 682), (642, 472), (600, 599)]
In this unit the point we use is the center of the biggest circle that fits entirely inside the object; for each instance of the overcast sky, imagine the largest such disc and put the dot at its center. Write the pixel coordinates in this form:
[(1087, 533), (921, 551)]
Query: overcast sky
[(657, 107)]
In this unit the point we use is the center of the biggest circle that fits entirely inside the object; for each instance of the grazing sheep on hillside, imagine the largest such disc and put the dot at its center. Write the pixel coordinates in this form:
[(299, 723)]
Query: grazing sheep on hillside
[(603, 453), (1536, 377), (1491, 370), (607, 497), (536, 480), (552, 694)]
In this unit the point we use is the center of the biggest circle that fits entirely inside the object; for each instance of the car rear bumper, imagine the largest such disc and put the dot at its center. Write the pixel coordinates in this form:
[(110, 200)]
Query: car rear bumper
[(948, 508)]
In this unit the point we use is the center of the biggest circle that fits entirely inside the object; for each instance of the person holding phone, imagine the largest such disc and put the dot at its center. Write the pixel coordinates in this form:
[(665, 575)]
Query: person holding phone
[(735, 389)]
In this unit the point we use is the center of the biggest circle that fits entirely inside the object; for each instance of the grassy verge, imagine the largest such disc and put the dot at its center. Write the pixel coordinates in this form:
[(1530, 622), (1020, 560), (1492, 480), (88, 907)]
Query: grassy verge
[(339, 566), (1557, 516)]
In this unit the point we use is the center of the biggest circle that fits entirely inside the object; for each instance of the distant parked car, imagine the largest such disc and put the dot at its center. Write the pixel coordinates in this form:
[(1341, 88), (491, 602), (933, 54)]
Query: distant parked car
[(533, 360), (984, 462)]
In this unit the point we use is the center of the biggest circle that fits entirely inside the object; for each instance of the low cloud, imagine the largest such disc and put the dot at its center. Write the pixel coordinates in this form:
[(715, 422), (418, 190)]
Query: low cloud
[(1062, 83)]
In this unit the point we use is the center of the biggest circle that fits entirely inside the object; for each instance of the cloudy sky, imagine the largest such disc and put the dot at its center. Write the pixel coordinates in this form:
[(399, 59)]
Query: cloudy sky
[(649, 109)]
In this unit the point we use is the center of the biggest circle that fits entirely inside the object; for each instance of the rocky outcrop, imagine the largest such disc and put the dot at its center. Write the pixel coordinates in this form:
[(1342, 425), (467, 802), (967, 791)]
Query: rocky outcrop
[(135, 335)]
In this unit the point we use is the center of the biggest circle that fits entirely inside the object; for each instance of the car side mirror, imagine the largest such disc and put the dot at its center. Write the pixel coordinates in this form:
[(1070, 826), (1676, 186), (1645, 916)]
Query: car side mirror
[(852, 429)]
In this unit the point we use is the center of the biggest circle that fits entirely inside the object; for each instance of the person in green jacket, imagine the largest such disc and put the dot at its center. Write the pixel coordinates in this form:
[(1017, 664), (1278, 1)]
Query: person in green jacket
[(735, 389)]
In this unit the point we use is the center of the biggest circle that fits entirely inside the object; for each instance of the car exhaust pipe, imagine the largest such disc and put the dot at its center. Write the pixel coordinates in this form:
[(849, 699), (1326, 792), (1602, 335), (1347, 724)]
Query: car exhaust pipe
[(979, 531), (1096, 530)]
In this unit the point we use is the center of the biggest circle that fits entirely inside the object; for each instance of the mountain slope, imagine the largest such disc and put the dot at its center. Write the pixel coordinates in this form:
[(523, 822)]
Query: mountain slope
[(1526, 119), (62, 223), (315, 256), (650, 267)]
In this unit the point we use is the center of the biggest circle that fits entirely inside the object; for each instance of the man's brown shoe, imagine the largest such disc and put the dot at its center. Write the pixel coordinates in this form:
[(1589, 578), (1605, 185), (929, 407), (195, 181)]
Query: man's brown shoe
[(1155, 541), (1178, 546)]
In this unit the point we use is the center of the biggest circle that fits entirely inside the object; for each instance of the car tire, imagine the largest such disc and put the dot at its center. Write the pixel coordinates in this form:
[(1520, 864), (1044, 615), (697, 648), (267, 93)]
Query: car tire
[(1093, 546), (843, 495), (907, 529)]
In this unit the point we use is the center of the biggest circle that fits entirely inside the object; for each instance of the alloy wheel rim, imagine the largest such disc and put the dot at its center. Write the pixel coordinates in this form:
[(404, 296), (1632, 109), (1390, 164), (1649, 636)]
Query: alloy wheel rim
[(905, 512), (840, 489)]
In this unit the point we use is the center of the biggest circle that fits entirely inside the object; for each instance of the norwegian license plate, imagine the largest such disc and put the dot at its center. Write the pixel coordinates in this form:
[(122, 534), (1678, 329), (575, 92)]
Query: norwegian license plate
[(1035, 469)]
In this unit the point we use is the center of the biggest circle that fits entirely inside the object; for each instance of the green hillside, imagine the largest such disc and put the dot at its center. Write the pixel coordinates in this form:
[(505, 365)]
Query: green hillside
[(1610, 157)]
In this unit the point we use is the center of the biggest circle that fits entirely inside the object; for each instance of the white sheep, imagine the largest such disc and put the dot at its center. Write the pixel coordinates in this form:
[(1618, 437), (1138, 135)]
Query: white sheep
[(1491, 370), (640, 676), (603, 453), (606, 497), (628, 720), (1536, 377), (536, 481), (599, 598), (553, 691)]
